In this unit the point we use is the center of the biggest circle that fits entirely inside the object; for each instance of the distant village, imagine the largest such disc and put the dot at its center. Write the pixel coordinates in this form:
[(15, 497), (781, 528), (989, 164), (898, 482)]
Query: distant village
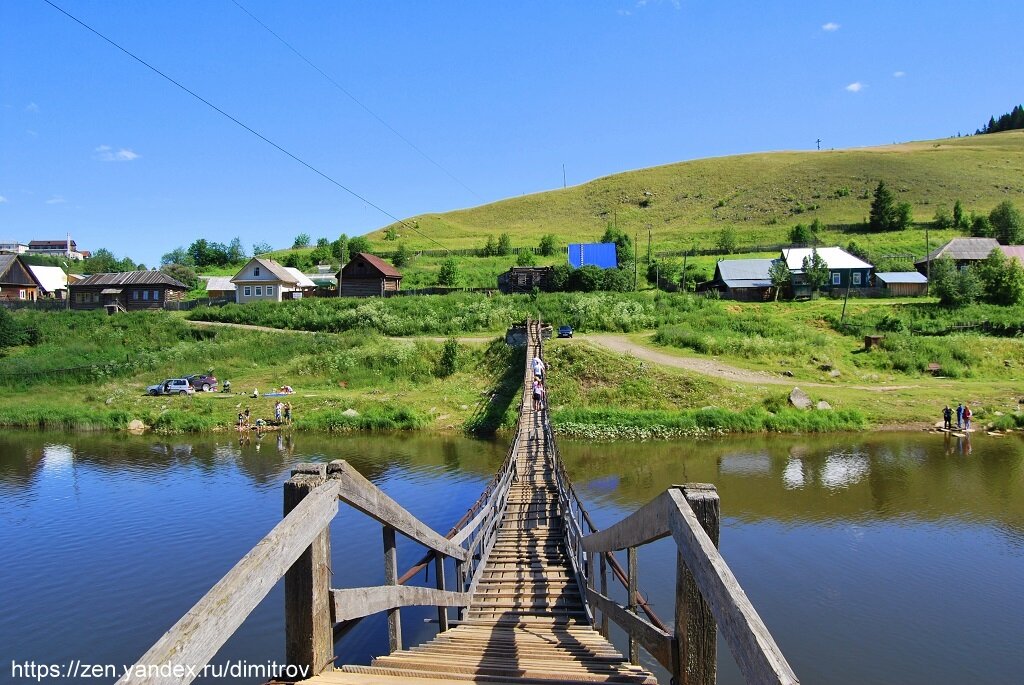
[(796, 273)]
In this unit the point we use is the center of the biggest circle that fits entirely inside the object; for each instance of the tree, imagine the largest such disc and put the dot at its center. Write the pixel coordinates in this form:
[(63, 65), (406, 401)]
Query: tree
[(586, 279), (504, 245), (236, 251), (1007, 223), (449, 360), (954, 287), (402, 256), (295, 260), (623, 244), (816, 271), (691, 276), (261, 248), (525, 258), (726, 241), (959, 218), (780, 276), (664, 272), (358, 244), (1002, 279), (943, 219), (390, 233), (301, 240), (800, 235), (339, 249), (981, 227), (616, 280), (182, 274), (199, 252), (323, 242), (490, 247), (320, 255), (449, 273), (177, 256), (883, 209), (11, 332), (548, 247), (560, 278), (903, 217)]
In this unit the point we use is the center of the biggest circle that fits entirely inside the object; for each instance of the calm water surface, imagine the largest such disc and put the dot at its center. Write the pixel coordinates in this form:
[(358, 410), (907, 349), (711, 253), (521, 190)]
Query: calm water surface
[(873, 558)]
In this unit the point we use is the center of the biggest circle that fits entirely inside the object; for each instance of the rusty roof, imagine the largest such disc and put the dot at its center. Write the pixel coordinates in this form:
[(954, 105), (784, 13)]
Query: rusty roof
[(379, 264), (127, 278)]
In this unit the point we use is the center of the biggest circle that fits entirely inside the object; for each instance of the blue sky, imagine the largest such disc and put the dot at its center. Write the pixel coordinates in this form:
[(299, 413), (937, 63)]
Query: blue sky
[(500, 95)]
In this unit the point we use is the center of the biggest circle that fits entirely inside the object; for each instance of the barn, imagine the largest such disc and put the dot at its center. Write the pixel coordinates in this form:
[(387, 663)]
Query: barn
[(367, 275)]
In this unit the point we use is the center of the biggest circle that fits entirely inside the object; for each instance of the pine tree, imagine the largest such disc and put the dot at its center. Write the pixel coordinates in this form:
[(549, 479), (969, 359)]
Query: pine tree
[(959, 218), (883, 209)]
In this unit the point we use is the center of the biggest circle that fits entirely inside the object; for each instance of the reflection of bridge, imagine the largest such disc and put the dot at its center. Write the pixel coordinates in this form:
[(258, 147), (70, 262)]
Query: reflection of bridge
[(530, 584)]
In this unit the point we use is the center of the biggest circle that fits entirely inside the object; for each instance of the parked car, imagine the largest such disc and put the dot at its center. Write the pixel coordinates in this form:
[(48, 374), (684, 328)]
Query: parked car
[(565, 331), (172, 386), (202, 381)]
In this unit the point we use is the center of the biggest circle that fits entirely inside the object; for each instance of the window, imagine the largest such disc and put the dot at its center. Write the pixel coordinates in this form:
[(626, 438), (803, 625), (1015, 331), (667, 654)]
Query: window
[(145, 294), (248, 291), (156, 294), (259, 291), (135, 294), (21, 294), (270, 290), (856, 278), (837, 278), (256, 271)]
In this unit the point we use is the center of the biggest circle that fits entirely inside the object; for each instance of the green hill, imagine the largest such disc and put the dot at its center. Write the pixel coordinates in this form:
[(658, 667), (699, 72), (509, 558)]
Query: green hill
[(762, 195)]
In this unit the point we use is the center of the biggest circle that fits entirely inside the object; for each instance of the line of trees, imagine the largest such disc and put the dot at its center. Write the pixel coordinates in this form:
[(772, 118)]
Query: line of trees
[(1013, 119)]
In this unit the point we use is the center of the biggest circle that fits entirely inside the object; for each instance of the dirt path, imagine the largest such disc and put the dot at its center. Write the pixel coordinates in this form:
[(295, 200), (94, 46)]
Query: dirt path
[(715, 368), (269, 329)]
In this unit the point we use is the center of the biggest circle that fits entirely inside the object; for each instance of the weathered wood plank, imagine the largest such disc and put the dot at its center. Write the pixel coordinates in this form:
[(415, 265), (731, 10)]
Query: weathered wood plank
[(356, 491), (758, 657), (696, 658), (657, 642), (197, 636), (442, 611), (307, 603), (366, 601), (391, 578), (631, 588), (646, 524)]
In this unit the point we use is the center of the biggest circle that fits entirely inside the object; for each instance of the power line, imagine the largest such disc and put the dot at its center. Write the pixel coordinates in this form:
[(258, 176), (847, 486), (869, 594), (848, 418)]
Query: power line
[(246, 127), (354, 99)]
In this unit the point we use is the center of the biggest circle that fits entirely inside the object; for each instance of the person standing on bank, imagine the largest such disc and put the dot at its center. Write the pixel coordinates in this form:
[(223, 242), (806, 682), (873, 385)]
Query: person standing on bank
[(947, 418), (959, 415), (967, 418)]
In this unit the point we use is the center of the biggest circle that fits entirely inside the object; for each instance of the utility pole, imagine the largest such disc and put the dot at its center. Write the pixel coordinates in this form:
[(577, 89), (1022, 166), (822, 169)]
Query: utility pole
[(819, 144), (563, 177), (636, 239), (686, 253), (927, 263), (648, 244)]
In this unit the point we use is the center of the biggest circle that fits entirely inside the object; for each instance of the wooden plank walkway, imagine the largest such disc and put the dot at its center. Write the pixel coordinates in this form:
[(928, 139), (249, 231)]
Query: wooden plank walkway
[(526, 622)]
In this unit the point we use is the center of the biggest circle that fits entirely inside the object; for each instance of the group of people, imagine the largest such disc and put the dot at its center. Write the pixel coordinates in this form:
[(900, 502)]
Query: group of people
[(963, 417), (282, 416), (539, 391)]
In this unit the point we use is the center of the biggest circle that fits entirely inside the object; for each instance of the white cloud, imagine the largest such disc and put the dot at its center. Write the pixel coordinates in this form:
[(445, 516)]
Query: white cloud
[(899, 74), (2, 199), (32, 107), (105, 153), (831, 26), (855, 87), (56, 200)]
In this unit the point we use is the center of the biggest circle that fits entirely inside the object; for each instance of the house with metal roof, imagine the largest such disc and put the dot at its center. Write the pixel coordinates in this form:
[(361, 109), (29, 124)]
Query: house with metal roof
[(368, 275), (126, 291), (264, 280), (963, 251), (16, 280), (845, 270), (53, 281), (601, 255), (1013, 252), (902, 283), (741, 279), (219, 287)]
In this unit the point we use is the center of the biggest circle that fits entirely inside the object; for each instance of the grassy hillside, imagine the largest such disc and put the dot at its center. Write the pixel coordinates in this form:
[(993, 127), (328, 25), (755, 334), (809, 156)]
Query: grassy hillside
[(760, 194)]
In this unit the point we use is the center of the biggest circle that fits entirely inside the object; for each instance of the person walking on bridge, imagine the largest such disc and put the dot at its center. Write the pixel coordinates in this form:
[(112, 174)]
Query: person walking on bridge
[(538, 368)]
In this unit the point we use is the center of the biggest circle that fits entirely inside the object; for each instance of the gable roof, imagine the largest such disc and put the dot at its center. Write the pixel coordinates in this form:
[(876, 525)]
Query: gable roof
[(301, 279), (893, 277), (14, 271), (745, 273), (835, 258), (601, 255), (1013, 252), (274, 268), (50, 278), (219, 283), (963, 249), (128, 278), (376, 262)]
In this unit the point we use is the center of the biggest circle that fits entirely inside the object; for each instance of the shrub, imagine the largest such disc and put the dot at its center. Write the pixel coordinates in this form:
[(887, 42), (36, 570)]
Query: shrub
[(449, 361), (449, 273)]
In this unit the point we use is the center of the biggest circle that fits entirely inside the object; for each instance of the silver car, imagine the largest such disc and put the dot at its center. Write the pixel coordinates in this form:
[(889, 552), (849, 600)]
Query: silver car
[(172, 386)]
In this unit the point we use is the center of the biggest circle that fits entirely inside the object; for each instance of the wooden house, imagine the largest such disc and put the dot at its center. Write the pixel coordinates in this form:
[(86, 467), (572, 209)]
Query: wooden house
[(523, 279), (845, 270), (741, 279), (262, 280), (126, 291), (902, 283), (367, 275), (963, 251), (16, 279)]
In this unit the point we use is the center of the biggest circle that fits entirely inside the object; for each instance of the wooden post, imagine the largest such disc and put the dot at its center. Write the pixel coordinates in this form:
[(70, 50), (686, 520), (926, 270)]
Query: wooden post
[(442, 612), (634, 646), (604, 591), (309, 640), (696, 649), (391, 578), (460, 581)]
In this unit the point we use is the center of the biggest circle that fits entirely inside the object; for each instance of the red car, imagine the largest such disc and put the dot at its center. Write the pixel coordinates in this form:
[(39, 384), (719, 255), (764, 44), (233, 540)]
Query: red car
[(201, 381)]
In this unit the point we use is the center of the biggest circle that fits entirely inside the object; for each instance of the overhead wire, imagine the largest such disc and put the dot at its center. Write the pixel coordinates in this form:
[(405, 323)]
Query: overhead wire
[(248, 128), (354, 99)]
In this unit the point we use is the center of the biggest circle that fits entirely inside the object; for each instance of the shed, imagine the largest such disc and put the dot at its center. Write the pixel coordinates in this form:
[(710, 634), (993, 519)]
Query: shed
[(16, 280), (126, 291), (523, 279), (902, 283), (741, 279), (601, 255), (368, 275), (218, 287), (963, 251)]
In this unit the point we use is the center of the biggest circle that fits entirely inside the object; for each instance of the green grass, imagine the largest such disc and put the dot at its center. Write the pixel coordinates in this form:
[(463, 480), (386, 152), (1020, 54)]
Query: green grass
[(762, 195)]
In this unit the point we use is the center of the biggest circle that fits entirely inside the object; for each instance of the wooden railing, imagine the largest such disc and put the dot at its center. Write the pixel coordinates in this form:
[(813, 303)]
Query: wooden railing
[(299, 549), (707, 594)]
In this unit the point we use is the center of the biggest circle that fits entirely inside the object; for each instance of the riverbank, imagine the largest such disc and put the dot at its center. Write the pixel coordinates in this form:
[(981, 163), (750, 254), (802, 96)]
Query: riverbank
[(87, 371)]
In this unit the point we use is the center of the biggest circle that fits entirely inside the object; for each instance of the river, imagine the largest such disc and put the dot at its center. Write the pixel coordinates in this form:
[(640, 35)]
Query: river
[(872, 558)]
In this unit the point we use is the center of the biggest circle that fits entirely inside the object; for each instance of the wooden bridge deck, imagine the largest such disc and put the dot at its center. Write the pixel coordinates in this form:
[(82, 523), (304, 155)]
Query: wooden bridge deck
[(526, 622)]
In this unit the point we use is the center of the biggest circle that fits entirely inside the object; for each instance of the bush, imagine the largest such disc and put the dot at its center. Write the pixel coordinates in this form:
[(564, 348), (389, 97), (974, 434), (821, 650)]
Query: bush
[(301, 240), (449, 273), (548, 246), (449, 361)]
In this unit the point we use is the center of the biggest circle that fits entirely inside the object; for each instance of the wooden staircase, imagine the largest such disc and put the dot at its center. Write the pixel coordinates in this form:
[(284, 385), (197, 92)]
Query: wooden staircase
[(526, 622)]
